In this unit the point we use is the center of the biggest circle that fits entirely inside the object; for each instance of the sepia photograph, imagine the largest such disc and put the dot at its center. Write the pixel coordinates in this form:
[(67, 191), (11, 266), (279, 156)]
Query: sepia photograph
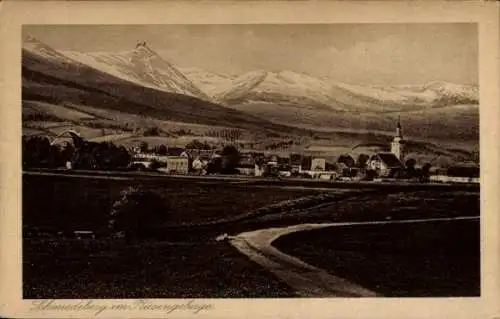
[(250, 161)]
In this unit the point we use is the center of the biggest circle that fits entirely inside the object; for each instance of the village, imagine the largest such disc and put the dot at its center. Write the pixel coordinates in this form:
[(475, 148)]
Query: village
[(375, 165)]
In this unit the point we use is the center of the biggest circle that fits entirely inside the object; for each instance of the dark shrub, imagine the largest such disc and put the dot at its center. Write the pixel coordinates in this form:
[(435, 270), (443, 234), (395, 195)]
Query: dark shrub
[(139, 213)]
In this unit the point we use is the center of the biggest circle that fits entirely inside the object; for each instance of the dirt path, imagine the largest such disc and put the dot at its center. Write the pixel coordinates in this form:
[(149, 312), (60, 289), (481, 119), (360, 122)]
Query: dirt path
[(307, 280)]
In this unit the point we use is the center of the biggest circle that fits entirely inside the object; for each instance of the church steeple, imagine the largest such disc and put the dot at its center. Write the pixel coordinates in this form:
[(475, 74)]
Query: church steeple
[(398, 128), (397, 142)]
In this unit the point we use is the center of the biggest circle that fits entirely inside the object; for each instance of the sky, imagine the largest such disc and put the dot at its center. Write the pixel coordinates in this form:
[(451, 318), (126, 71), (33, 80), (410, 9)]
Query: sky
[(373, 54)]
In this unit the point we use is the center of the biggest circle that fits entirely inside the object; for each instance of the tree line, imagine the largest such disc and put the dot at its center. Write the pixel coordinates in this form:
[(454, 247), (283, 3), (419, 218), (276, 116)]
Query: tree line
[(37, 152), (226, 134)]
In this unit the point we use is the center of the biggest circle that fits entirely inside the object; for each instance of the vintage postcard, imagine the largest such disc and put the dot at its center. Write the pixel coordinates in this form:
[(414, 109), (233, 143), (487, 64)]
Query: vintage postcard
[(227, 160)]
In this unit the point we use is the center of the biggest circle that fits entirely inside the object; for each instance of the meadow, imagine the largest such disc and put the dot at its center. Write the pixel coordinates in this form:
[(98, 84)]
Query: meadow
[(66, 203), (66, 267), (195, 264), (426, 259)]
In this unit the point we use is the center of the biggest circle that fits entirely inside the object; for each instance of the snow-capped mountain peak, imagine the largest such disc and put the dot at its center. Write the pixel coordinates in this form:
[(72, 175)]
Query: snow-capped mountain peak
[(142, 50), (209, 82), (281, 87), (152, 68), (141, 65)]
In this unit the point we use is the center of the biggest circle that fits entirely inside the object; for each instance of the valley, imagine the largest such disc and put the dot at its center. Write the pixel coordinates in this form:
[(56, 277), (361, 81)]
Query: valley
[(117, 96)]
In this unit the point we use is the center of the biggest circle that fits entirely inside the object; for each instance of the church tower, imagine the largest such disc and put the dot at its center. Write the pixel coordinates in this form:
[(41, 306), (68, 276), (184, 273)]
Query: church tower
[(397, 142)]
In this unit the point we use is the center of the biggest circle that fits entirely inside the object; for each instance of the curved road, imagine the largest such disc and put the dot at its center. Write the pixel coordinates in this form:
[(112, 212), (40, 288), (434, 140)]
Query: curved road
[(307, 280)]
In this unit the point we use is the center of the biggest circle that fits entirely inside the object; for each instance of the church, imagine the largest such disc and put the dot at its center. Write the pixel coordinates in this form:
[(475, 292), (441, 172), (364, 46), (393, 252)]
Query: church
[(390, 164)]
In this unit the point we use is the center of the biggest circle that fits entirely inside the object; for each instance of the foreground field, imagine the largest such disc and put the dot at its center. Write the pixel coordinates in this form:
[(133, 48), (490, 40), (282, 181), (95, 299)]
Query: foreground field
[(196, 265), (110, 268), (66, 203), (415, 259), (71, 269)]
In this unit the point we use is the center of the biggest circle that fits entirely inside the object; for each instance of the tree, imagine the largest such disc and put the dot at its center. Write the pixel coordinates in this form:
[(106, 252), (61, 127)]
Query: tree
[(410, 167), (214, 166), (37, 152), (426, 170), (123, 158), (347, 160), (295, 158), (230, 159), (410, 164), (84, 157), (66, 153), (306, 162), (144, 147), (362, 160), (162, 149), (195, 145), (138, 213), (371, 174)]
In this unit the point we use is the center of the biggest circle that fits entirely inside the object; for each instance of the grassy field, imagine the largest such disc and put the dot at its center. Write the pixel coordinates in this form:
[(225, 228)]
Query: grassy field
[(157, 270), (195, 265), (435, 259), (64, 267), (66, 203)]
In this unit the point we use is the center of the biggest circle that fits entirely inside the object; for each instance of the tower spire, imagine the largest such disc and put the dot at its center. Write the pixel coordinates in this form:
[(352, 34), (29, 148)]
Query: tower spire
[(398, 127), (397, 142)]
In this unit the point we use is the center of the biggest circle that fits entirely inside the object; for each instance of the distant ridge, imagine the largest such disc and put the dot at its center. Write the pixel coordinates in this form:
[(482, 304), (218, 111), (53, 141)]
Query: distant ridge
[(144, 66), (54, 78)]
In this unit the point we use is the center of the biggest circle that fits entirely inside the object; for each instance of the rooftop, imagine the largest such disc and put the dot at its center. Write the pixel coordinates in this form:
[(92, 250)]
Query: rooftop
[(390, 160)]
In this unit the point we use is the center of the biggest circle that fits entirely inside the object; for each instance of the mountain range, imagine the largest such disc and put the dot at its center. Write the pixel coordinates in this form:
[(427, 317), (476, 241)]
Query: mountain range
[(144, 66), (52, 77), (141, 81)]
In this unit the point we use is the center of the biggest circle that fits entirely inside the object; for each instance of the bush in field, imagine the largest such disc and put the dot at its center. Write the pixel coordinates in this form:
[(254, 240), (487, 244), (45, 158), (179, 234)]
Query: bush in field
[(138, 213)]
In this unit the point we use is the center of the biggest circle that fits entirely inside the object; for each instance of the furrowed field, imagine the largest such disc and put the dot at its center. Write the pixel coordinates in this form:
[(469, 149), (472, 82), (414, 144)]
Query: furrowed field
[(433, 258), (390, 259), (65, 203), (57, 267)]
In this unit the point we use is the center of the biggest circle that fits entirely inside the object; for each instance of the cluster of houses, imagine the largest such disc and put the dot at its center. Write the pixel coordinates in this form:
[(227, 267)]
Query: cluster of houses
[(380, 165), (176, 160)]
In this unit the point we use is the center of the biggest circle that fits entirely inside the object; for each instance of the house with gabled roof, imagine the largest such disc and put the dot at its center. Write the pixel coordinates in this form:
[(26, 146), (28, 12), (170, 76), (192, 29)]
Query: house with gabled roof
[(177, 151), (246, 165), (178, 161), (386, 165)]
